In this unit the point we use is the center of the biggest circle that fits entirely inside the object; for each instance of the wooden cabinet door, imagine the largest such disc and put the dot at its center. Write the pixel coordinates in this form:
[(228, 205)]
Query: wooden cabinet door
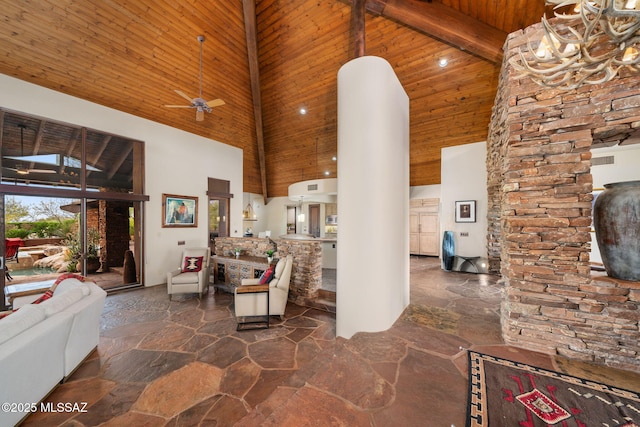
[(429, 233), (424, 227), (414, 233)]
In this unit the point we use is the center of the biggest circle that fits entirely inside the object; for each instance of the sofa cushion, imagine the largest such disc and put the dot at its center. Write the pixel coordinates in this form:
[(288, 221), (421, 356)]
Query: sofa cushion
[(20, 321), (185, 278), (282, 262), (61, 301), (66, 281), (44, 297), (192, 264)]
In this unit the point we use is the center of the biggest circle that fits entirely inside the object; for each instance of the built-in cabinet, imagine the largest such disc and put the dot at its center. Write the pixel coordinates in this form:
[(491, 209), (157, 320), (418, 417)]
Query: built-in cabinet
[(228, 272), (424, 224)]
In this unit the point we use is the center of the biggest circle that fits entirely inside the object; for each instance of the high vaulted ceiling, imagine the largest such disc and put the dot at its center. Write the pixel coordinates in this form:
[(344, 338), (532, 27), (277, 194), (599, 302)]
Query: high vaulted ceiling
[(132, 55)]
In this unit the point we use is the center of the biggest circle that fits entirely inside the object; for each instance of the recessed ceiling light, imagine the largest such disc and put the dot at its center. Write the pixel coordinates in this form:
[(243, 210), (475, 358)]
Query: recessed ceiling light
[(334, 158), (303, 111), (327, 173), (443, 62)]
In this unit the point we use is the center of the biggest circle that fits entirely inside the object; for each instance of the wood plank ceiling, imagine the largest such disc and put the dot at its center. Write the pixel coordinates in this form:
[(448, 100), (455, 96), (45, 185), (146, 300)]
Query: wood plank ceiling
[(132, 55)]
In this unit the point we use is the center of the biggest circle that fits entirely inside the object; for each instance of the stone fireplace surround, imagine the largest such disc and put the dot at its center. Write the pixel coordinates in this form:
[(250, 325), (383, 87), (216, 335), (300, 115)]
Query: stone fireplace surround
[(539, 215)]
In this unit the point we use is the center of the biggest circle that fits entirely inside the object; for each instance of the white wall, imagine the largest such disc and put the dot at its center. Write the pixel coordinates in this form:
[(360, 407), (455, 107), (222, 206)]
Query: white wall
[(624, 168), (176, 162), (464, 177), (373, 197), (425, 192)]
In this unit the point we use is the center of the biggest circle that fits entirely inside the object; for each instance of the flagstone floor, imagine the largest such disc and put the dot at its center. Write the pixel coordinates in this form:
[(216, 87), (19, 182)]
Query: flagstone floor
[(182, 363)]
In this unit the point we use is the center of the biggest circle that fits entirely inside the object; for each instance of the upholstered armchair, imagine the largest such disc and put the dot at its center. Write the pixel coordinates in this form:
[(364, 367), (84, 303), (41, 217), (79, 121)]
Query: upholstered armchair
[(193, 274), (254, 304)]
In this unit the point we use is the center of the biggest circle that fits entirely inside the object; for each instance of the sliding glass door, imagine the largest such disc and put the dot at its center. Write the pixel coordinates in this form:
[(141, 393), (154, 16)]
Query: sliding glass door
[(99, 178)]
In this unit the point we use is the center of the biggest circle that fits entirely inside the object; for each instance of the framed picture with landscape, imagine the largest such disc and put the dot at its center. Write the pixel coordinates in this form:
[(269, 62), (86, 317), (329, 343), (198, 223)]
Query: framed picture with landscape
[(466, 211), (179, 211)]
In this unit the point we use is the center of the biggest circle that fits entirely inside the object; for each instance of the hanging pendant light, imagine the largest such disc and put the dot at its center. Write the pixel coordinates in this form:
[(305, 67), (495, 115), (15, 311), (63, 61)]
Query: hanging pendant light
[(301, 214), (249, 214)]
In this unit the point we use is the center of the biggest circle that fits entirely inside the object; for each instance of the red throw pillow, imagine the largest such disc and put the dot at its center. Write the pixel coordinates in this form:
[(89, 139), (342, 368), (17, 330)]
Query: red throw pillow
[(192, 264), (266, 276)]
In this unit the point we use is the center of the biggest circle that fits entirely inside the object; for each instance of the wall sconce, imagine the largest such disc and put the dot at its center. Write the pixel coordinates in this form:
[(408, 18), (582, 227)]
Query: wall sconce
[(588, 45)]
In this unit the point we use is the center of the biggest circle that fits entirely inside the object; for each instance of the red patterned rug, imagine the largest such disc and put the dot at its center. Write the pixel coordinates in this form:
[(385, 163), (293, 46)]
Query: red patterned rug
[(506, 393)]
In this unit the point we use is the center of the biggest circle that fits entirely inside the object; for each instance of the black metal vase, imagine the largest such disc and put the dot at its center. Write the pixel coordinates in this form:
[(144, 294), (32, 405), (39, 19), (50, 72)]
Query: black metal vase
[(616, 219)]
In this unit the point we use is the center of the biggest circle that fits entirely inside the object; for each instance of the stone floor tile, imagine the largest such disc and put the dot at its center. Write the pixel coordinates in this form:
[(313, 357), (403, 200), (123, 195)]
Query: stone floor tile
[(352, 378), (224, 352), (268, 381), (309, 407), (239, 378), (179, 390), (425, 338), (172, 337), (117, 402), (135, 419), (278, 353), (225, 412), (144, 365), (427, 394)]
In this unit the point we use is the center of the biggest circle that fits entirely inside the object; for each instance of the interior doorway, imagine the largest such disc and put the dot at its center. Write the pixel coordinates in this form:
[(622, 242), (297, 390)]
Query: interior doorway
[(219, 205), (314, 220)]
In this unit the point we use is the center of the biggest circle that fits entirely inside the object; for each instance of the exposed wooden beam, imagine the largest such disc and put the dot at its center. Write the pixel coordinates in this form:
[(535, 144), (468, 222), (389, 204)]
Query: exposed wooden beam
[(249, 11), (358, 27), (443, 23)]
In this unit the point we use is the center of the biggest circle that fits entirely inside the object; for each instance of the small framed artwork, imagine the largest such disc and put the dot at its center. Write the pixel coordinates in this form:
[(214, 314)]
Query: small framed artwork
[(466, 211), (179, 211)]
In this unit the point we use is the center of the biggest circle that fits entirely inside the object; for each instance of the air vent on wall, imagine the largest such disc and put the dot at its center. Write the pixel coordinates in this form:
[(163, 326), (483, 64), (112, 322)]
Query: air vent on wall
[(312, 187), (604, 160)]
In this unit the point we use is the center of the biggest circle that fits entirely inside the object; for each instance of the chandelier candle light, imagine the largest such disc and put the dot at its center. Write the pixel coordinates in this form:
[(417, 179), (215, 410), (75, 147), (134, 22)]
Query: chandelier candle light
[(588, 44)]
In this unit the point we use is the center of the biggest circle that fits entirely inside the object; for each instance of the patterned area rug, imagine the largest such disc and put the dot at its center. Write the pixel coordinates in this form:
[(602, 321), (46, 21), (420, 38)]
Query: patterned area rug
[(506, 393)]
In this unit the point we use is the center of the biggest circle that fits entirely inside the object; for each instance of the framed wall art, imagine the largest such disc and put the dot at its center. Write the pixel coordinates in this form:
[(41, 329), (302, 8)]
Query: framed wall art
[(466, 211), (179, 211)]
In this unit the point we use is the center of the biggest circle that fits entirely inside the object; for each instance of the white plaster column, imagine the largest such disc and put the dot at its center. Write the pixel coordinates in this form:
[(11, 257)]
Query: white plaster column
[(373, 197)]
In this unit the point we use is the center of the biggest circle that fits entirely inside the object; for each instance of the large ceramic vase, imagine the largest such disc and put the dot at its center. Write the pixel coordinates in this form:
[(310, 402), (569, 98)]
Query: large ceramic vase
[(616, 219)]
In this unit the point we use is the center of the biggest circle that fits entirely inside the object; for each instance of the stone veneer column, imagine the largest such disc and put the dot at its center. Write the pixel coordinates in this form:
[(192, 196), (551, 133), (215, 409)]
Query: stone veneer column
[(540, 199)]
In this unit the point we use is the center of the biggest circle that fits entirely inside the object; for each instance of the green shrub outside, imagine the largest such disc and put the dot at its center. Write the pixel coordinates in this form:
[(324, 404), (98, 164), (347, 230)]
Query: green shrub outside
[(39, 229)]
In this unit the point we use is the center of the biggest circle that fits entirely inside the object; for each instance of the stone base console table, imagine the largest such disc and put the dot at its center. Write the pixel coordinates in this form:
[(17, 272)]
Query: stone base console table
[(228, 271)]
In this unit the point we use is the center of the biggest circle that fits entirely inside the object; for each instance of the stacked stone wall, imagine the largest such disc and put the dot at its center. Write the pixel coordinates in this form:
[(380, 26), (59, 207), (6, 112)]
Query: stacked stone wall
[(306, 274), (540, 199)]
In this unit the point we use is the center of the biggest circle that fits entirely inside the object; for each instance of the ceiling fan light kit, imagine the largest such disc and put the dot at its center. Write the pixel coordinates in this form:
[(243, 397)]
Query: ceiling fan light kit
[(198, 103), (19, 168)]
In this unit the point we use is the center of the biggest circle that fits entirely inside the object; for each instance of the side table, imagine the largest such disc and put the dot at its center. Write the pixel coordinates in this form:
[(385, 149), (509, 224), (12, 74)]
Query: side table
[(261, 324)]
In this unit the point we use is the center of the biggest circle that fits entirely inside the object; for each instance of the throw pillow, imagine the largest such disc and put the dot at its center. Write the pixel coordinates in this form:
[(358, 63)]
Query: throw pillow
[(192, 264), (266, 276)]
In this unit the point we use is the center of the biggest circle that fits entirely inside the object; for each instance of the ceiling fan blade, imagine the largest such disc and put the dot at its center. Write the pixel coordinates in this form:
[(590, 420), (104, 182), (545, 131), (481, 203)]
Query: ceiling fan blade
[(199, 115), (179, 106), (215, 103), (182, 94)]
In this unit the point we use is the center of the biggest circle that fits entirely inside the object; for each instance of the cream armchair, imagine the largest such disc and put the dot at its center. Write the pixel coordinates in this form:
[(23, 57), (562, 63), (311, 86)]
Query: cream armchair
[(183, 281), (254, 304)]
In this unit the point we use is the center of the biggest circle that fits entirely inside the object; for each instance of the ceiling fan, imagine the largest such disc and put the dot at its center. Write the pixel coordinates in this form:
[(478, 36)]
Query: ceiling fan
[(20, 169), (198, 103)]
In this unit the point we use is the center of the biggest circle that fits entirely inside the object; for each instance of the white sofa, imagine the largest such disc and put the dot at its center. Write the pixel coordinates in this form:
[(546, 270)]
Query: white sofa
[(42, 344)]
